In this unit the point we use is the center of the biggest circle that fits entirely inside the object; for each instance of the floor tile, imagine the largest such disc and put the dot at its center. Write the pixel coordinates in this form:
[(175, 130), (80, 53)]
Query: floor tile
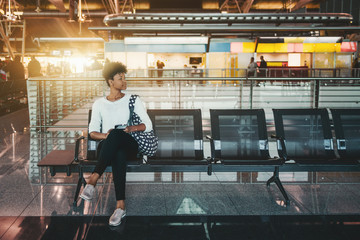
[(143, 188), (17, 121), (10, 156), (262, 200), (58, 201), (326, 199), (14, 203), (16, 179), (198, 203), (149, 202)]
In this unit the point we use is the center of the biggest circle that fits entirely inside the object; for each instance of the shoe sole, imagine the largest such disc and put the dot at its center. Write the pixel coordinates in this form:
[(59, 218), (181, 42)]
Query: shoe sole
[(114, 225)]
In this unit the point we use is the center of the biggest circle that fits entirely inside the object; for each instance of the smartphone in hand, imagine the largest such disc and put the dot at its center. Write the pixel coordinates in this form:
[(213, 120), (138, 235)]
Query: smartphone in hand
[(120, 126)]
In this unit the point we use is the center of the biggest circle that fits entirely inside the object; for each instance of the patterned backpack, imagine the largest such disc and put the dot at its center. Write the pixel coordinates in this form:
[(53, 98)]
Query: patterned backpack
[(147, 141)]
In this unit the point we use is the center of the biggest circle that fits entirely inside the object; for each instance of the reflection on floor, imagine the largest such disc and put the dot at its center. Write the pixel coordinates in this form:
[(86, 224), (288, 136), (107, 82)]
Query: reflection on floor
[(168, 205)]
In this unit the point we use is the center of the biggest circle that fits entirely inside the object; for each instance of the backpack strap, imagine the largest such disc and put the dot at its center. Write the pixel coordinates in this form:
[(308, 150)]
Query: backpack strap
[(131, 108)]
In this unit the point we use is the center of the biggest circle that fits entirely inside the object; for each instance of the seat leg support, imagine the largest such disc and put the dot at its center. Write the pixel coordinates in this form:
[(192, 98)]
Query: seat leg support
[(78, 187), (275, 178), (209, 170)]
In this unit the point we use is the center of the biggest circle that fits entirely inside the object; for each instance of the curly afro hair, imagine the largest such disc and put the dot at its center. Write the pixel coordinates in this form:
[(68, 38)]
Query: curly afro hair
[(111, 69)]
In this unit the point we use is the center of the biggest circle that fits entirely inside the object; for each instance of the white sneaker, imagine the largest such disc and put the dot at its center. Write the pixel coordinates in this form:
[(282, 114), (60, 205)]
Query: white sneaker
[(88, 192), (116, 217)]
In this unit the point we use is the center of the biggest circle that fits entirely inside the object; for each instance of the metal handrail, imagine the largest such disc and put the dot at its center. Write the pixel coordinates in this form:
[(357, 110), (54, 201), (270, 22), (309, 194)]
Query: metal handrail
[(211, 73)]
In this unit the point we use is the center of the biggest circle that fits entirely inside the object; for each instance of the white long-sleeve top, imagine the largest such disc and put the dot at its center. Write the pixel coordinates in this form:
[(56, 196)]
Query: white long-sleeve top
[(106, 114)]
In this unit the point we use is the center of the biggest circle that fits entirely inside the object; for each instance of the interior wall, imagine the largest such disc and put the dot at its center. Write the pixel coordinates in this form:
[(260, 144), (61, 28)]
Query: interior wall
[(115, 56), (272, 57), (175, 60), (216, 61), (244, 59), (136, 60)]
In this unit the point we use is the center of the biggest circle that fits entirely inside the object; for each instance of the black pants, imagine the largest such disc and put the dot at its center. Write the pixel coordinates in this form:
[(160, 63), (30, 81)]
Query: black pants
[(116, 150)]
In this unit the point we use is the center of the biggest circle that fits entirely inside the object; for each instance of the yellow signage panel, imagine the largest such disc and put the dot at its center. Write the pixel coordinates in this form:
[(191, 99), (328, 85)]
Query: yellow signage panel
[(266, 47), (308, 47), (248, 47), (325, 47), (281, 47)]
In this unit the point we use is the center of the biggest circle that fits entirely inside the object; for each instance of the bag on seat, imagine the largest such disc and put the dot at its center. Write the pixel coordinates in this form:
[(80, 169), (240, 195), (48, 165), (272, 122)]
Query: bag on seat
[(147, 141)]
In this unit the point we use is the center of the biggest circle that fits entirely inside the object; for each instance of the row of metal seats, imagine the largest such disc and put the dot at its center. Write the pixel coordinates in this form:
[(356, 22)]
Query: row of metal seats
[(303, 135), (239, 142), (240, 136)]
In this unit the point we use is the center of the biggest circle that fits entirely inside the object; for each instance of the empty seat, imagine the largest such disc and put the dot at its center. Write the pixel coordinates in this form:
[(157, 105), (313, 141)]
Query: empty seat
[(180, 136), (240, 136), (347, 132), (306, 135)]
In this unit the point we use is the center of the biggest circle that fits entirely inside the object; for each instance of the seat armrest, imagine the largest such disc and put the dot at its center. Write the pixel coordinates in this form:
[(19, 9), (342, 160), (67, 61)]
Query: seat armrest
[(77, 144), (212, 148)]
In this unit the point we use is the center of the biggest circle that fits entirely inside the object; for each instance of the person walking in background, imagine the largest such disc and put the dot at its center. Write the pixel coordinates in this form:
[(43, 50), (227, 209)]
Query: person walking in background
[(252, 68), (34, 67), (263, 66), (3, 77), (356, 68), (17, 74), (160, 65), (262, 69)]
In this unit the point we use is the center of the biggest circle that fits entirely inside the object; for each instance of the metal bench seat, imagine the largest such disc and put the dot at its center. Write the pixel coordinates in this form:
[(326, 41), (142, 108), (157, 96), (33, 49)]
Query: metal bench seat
[(304, 136), (239, 142), (240, 137), (180, 135), (347, 132)]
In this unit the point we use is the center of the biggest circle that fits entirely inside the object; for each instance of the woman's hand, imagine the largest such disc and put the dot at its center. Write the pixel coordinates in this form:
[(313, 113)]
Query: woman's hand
[(130, 129), (99, 135), (135, 128)]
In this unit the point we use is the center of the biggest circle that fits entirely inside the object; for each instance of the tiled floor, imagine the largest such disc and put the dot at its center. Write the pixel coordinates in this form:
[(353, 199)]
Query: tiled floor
[(160, 206)]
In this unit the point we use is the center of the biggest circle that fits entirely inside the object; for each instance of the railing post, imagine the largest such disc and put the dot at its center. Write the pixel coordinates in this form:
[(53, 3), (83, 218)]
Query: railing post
[(251, 93), (317, 93), (43, 104), (241, 85), (315, 89), (179, 82)]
